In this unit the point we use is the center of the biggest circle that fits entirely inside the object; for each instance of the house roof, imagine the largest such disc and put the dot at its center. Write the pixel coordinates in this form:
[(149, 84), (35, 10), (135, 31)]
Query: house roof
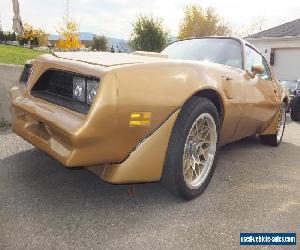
[(287, 29)]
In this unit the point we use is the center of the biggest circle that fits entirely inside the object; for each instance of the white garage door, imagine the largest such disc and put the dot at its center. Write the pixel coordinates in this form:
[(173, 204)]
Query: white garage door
[(287, 64)]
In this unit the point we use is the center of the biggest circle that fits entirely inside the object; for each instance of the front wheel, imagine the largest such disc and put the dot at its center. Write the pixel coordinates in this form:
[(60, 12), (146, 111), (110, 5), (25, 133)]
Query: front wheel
[(275, 139), (193, 149)]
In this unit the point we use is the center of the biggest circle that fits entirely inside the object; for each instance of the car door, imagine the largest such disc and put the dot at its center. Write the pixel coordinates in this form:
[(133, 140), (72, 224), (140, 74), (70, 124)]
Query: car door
[(232, 86), (261, 97)]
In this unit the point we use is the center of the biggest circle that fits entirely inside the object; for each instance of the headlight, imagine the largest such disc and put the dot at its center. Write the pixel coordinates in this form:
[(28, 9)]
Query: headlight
[(85, 89), (92, 86), (79, 88)]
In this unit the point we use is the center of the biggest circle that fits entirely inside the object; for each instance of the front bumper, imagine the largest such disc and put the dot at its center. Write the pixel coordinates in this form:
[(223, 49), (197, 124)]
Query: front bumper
[(74, 139), (54, 130)]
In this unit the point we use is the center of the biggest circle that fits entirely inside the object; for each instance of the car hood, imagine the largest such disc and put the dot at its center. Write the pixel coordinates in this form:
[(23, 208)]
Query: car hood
[(111, 59)]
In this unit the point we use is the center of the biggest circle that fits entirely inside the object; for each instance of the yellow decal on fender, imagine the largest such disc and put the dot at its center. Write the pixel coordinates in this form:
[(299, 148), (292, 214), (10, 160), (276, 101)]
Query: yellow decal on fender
[(140, 119)]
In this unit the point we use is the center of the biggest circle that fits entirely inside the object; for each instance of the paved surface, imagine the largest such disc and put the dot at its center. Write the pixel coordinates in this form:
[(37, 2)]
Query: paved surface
[(46, 206)]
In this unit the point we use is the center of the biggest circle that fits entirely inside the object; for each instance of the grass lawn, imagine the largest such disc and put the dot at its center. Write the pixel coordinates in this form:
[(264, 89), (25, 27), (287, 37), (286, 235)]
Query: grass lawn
[(16, 55)]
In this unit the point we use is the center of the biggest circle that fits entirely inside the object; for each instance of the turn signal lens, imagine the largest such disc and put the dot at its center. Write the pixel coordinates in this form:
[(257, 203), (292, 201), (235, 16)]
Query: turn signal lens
[(92, 86)]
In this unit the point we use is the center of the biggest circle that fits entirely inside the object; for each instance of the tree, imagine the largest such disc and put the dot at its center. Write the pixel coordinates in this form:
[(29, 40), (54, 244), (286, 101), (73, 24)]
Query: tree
[(9, 36), (42, 37), (68, 32), (100, 43), (33, 35), (200, 22), (28, 34), (4, 37), (1, 35), (258, 24), (148, 34), (13, 36)]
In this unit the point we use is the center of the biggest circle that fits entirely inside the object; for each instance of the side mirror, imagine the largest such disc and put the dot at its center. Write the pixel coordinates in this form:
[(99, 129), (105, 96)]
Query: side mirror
[(257, 70)]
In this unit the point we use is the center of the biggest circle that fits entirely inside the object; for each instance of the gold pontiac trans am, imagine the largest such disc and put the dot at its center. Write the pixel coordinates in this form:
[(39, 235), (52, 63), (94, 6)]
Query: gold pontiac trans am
[(149, 117)]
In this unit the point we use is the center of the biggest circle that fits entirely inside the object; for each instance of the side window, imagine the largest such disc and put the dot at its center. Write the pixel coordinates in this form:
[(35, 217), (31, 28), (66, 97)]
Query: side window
[(254, 58), (232, 54)]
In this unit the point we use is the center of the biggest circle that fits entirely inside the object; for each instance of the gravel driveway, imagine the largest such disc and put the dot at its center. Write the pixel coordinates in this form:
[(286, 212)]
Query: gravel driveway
[(43, 205)]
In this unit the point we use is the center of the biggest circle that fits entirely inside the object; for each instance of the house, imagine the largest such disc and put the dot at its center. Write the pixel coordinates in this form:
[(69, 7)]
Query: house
[(281, 47)]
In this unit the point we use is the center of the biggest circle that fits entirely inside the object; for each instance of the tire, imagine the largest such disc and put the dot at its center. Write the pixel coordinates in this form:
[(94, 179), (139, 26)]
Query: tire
[(275, 139), (177, 179), (295, 109)]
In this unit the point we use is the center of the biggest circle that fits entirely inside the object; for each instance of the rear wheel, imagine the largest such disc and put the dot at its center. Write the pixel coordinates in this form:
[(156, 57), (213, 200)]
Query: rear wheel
[(275, 139), (193, 149), (295, 109)]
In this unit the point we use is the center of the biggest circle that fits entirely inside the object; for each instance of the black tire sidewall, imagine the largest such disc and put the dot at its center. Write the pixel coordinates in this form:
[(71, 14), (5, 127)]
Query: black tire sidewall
[(280, 140), (272, 139), (189, 113)]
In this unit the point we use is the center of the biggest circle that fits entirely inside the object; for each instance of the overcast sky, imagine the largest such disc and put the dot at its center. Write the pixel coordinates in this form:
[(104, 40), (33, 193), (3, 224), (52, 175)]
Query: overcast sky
[(113, 18)]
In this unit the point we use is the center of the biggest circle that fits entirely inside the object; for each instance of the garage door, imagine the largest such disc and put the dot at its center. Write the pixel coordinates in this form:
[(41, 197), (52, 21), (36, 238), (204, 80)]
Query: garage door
[(287, 64)]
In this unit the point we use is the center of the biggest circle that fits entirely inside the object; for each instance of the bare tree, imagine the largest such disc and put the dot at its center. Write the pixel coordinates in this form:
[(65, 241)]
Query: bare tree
[(17, 22), (258, 24)]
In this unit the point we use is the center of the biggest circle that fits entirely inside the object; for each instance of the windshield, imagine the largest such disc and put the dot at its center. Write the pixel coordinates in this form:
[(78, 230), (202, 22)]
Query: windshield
[(218, 50)]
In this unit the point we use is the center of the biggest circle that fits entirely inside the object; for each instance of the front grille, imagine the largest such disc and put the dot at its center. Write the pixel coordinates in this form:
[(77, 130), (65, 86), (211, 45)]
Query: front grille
[(56, 86), (60, 83), (55, 82)]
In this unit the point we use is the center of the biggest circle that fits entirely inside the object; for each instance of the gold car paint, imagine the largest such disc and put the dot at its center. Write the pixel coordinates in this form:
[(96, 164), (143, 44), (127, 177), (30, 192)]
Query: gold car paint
[(104, 137), (146, 163), (283, 97), (260, 105)]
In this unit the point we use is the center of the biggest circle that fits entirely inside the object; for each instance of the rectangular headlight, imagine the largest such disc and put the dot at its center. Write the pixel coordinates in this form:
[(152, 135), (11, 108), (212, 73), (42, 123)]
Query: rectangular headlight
[(92, 86), (79, 88)]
